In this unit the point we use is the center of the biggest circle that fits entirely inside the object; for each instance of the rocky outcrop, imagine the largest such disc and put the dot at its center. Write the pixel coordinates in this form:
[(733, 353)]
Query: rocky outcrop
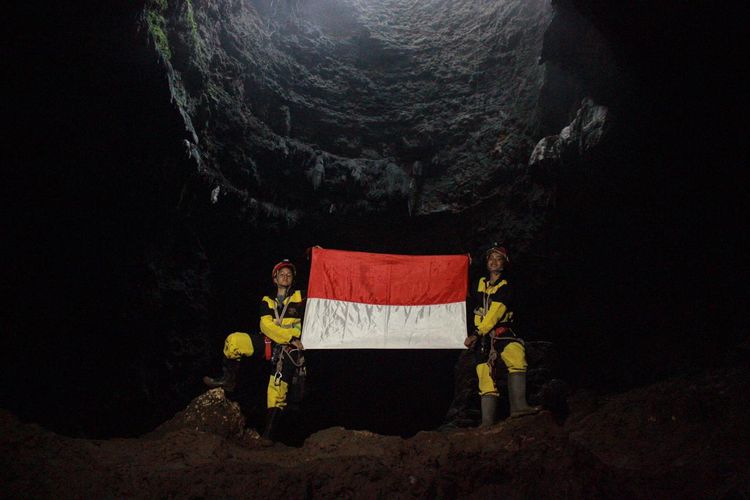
[(210, 412), (584, 133)]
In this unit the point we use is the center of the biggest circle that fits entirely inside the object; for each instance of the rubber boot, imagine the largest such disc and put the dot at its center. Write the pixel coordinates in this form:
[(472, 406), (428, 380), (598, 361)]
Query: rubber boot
[(266, 439), (228, 379), (517, 396), (489, 410)]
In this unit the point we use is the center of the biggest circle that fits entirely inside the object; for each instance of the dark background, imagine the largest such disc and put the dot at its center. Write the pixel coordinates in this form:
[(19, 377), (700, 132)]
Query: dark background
[(652, 252)]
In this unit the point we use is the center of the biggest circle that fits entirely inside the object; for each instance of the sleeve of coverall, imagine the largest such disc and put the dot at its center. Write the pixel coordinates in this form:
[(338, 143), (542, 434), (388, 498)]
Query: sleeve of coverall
[(497, 309), (277, 333)]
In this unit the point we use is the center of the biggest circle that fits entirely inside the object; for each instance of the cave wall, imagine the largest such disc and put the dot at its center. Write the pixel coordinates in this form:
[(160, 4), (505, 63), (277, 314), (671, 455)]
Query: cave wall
[(646, 239), (361, 119), (160, 164), (102, 275), (352, 107)]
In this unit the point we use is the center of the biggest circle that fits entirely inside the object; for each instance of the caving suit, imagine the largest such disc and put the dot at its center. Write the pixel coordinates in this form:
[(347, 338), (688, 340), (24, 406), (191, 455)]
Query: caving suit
[(493, 317), (280, 322)]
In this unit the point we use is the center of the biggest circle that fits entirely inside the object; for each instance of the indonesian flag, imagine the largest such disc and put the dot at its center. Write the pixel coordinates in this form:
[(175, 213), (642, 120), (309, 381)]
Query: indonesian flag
[(358, 300)]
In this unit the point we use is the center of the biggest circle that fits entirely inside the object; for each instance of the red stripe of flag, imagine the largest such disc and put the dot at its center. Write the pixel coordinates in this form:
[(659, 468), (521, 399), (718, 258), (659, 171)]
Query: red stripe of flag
[(385, 279)]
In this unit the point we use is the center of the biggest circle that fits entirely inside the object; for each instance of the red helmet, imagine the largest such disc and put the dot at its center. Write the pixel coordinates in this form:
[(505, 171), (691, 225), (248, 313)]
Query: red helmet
[(281, 265), (495, 248)]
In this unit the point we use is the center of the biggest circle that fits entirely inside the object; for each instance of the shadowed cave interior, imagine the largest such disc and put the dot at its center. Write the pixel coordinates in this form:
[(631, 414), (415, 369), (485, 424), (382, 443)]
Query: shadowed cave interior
[(166, 154)]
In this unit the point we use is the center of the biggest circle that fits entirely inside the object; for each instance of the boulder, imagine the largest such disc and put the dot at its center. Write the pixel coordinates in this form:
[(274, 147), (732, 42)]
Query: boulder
[(210, 412)]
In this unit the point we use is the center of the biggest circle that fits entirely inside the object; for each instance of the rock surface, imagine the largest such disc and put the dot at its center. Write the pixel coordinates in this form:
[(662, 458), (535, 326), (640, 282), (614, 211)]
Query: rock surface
[(574, 141), (210, 412), (335, 100)]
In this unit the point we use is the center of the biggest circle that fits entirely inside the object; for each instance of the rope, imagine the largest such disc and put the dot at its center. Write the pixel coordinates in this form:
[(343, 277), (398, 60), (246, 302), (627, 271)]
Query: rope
[(283, 311), (286, 350)]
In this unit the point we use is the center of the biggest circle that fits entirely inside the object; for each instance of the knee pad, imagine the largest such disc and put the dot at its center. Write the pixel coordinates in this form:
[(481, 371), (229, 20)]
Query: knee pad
[(514, 357), (487, 385)]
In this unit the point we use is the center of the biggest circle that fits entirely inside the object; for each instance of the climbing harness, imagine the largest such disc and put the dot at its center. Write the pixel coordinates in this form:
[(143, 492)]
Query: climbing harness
[(290, 353), (285, 353), (278, 316), (505, 333)]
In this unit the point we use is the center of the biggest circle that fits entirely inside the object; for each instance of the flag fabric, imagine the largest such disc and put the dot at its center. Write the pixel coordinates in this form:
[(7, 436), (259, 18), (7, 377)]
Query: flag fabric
[(358, 300)]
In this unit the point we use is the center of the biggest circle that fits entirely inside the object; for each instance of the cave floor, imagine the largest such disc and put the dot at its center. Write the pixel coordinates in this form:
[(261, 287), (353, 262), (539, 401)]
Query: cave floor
[(685, 437)]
